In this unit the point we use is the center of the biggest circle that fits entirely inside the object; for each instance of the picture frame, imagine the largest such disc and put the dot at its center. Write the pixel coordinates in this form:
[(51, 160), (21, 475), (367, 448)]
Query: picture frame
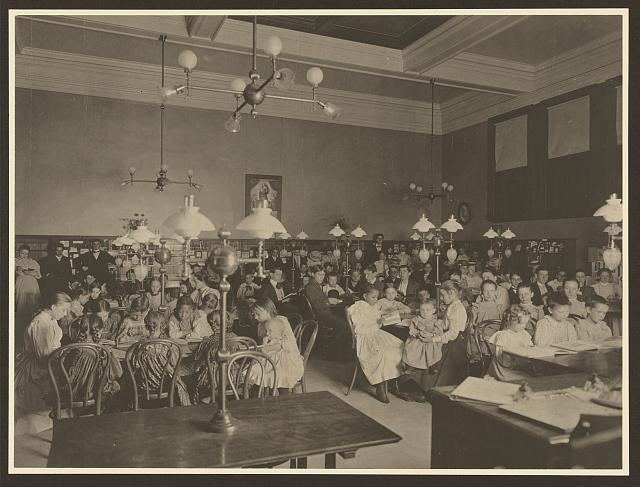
[(464, 213), (263, 186)]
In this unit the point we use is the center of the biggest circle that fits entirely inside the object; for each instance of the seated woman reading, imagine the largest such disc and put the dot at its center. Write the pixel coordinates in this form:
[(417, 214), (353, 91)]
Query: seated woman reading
[(379, 352)]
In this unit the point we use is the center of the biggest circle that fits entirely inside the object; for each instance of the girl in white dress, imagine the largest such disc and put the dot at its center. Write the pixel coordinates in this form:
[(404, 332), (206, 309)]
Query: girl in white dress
[(379, 352), (506, 367), (280, 345)]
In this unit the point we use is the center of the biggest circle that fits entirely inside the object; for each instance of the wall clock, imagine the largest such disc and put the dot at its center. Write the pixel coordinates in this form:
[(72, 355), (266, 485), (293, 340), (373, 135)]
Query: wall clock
[(464, 213)]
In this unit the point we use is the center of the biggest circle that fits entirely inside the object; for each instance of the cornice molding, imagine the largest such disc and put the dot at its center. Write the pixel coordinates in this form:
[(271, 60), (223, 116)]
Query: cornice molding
[(45, 70)]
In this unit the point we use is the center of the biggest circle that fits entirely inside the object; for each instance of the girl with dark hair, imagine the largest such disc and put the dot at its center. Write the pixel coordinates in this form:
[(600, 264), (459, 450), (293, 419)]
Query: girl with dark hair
[(111, 319), (200, 282), (187, 321), (132, 328), (32, 382)]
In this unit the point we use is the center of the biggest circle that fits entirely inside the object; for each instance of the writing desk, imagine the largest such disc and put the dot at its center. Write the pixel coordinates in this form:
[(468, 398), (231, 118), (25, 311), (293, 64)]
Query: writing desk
[(469, 434), (272, 429)]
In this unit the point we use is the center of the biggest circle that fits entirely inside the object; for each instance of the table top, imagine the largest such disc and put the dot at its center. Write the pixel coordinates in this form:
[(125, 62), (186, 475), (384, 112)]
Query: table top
[(269, 429), (607, 363), (540, 432)]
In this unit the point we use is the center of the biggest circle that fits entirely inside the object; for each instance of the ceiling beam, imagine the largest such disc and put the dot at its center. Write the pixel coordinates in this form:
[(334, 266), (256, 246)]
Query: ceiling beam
[(324, 23), (452, 38), (204, 26)]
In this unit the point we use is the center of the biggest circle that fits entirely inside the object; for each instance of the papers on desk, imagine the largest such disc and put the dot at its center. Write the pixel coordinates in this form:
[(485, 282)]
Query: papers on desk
[(485, 390), (391, 319), (576, 346), (613, 342), (536, 352)]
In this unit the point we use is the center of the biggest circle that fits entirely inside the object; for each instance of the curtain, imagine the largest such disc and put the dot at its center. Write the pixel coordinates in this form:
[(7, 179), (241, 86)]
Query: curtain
[(569, 128)]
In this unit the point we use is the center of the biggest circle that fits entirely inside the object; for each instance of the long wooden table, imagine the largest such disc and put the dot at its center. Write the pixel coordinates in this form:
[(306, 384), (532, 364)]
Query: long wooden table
[(467, 434), (269, 430)]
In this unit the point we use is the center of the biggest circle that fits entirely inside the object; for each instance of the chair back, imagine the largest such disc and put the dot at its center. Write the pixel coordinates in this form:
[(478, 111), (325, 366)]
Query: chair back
[(234, 344), (481, 334), (78, 374), (347, 315), (305, 334), (250, 367), (305, 307), (153, 369)]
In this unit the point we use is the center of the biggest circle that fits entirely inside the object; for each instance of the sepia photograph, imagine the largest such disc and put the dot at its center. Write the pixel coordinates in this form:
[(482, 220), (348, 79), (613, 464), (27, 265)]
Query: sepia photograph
[(446, 291)]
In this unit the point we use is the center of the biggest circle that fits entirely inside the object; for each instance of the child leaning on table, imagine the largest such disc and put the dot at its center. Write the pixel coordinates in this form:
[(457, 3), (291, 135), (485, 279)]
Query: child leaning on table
[(419, 353), (593, 328), (555, 328), (506, 366)]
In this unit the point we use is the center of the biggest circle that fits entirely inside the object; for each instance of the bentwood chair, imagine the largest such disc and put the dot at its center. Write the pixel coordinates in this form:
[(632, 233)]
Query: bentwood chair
[(153, 369), (78, 374), (241, 369), (481, 334), (356, 362), (305, 334), (234, 344)]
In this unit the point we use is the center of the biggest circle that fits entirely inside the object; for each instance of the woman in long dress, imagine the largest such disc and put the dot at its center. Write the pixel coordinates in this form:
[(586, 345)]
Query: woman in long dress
[(27, 290), (379, 352), (32, 384)]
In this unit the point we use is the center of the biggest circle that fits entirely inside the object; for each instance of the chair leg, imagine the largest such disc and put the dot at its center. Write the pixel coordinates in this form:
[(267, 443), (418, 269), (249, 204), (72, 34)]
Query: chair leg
[(353, 379), (304, 386)]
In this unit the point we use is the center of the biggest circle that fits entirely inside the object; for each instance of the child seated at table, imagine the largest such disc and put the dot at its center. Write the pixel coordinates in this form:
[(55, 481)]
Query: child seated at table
[(110, 319), (504, 366), (188, 322), (332, 286), (486, 306), (525, 295), (419, 353), (155, 294), (390, 308), (593, 328), (555, 328), (576, 307), (280, 345), (248, 289), (132, 328)]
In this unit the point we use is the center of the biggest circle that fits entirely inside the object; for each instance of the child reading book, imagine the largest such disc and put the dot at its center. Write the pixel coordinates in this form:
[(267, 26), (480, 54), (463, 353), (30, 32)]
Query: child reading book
[(593, 328)]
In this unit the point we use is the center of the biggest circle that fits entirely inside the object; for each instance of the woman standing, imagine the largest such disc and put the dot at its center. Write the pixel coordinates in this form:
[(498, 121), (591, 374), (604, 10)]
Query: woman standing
[(32, 383), (27, 291)]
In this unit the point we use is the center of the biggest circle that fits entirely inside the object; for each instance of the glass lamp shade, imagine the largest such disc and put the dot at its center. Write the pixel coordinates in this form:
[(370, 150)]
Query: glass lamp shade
[(490, 253), (337, 231), (491, 233), (232, 125), (314, 76), (507, 253), (142, 234), (285, 236), (452, 254), (170, 234), (336, 253), (508, 234), (187, 59), (415, 236), (612, 211), (302, 235), (238, 84), (331, 110), (613, 229), (140, 271), (451, 225), (423, 225), (188, 222), (272, 46), (423, 255), (261, 224), (612, 257), (358, 232), (123, 240), (284, 78), (358, 254)]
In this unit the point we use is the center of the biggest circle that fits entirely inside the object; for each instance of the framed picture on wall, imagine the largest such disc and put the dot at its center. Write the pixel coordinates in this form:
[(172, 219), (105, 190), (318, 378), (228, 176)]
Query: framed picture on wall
[(259, 187)]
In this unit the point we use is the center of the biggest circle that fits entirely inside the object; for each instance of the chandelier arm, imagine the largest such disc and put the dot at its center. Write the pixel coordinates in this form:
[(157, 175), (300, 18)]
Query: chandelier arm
[(293, 98), (266, 82), (237, 110), (216, 90)]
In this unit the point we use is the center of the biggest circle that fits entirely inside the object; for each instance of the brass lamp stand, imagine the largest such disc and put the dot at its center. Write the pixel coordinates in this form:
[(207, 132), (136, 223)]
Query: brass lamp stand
[(163, 257)]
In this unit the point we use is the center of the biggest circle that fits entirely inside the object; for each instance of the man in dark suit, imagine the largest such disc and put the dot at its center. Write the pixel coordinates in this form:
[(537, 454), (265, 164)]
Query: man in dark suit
[(273, 288), (540, 288), (515, 279), (335, 327), (274, 260), (406, 287), (298, 260), (372, 251), (56, 271), (96, 262), (371, 279)]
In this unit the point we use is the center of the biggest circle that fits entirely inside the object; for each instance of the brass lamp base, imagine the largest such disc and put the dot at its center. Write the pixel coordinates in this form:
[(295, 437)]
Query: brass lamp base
[(222, 422)]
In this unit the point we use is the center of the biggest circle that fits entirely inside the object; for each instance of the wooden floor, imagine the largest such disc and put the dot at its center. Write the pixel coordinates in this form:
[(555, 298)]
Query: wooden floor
[(410, 420)]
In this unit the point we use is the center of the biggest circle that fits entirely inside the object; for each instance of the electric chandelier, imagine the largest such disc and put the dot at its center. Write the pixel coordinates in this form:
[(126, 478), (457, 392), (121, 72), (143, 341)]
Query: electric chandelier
[(162, 179), (253, 93)]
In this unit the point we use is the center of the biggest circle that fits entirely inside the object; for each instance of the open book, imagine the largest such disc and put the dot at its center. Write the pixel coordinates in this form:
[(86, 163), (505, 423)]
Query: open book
[(485, 390), (536, 352), (576, 346), (391, 319)]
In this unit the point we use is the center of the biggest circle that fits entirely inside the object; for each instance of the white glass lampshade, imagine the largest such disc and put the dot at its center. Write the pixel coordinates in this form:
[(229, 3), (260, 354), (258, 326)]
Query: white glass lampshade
[(284, 78), (423, 225), (508, 234), (337, 231), (187, 59), (285, 236), (444, 185), (491, 233), (332, 111), (358, 232), (237, 84), (613, 229), (302, 235), (123, 240), (358, 254), (140, 272), (612, 257), (451, 225), (272, 46), (490, 253), (188, 222), (612, 211), (142, 234), (419, 189), (452, 254), (507, 253), (232, 125), (336, 253), (412, 186), (315, 76), (261, 224), (415, 236), (423, 255)]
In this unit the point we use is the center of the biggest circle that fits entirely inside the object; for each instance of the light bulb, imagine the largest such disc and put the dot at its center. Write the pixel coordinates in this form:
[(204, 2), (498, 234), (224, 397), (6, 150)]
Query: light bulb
[(444, 185), (419, 189), (450, 188), (612, 257), (164, 167), (232, 124), (237, 84), (423, 255), (412, 186), (190, 172), (272, 46), (132, 170), (452, 254), (507, 253), (358, 254), (315, 76), (490, 253), (187, 59), (336, 253), (332, 111)]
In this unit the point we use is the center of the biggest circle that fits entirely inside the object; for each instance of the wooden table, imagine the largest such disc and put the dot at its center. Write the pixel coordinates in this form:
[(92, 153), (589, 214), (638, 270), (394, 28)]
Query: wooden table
[(477, 435), (606, 363), (272, 429)]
